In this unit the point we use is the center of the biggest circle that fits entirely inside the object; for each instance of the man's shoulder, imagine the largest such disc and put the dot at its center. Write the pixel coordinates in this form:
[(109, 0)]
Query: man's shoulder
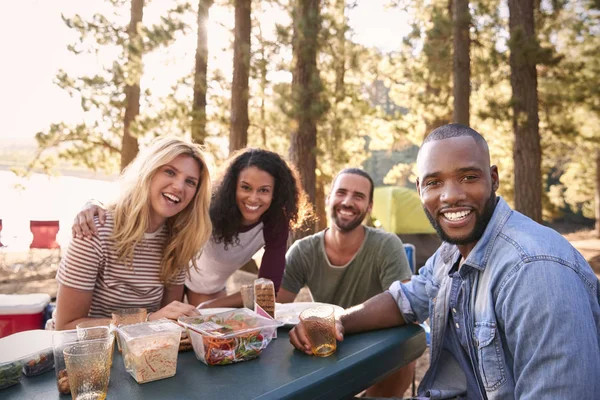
[(309, 242), (533, 239), (376, 235)]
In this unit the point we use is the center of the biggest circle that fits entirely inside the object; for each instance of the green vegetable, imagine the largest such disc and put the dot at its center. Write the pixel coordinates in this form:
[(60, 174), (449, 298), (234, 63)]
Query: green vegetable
[(10, 374)]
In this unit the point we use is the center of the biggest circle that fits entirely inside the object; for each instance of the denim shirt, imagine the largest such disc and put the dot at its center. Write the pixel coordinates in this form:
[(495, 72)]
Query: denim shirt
[(531, 310)]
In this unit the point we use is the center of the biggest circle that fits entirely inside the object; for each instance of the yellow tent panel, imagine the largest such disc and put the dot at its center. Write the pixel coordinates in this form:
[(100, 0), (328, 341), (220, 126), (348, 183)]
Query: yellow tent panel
[(400, 211)]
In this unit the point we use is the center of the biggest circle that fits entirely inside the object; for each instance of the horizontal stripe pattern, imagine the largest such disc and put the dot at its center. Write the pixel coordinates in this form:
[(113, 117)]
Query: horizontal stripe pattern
[(92, 265)]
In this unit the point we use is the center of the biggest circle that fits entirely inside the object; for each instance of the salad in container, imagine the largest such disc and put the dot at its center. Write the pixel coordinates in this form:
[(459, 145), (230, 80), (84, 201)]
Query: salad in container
[(150, 349), (229, 337)]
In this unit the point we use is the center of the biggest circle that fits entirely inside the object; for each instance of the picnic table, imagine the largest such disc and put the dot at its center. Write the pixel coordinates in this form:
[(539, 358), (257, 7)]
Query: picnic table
[(281, 372)]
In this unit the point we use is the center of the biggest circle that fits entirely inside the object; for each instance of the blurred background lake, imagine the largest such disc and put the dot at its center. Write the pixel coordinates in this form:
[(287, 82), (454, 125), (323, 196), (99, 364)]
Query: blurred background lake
[(43, 197)]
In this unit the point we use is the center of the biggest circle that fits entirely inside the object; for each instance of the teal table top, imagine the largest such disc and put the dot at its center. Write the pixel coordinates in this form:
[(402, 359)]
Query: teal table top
[(280, 372)]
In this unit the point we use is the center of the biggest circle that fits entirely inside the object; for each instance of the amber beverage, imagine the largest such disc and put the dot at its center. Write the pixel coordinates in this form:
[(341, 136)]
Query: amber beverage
[(319, 324)]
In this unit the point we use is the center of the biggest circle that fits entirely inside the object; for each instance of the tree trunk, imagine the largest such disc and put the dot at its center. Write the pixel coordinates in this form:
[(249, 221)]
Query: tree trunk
[(201, 67), (129, 144), (306, 87), (598, 193), (462, 61), (527, 153), (238, 134)]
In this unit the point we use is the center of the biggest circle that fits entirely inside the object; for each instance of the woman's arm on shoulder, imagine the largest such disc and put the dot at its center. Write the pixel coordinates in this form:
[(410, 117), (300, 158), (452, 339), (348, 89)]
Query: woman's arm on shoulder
[(83, 224)]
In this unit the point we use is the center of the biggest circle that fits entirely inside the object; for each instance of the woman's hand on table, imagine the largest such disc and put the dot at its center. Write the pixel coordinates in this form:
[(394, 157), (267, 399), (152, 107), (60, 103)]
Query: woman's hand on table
[(83, 224), (174, 310), (299, 338)]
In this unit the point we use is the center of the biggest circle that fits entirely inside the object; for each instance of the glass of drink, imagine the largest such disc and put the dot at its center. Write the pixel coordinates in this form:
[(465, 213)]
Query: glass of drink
[(63, 339), (88, 368), (319, 323), (128, 316), (88, 330)]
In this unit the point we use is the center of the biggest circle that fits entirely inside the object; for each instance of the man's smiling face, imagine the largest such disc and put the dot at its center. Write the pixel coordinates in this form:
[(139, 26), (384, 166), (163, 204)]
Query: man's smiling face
[(349, 201), (457, 187)]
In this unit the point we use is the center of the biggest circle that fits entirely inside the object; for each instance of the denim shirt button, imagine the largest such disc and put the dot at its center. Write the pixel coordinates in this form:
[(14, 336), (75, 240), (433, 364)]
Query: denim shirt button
[(457, 326), (454, 310)]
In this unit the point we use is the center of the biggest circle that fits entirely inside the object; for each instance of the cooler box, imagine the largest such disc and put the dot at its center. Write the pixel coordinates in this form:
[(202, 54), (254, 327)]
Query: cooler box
[(22, 312)]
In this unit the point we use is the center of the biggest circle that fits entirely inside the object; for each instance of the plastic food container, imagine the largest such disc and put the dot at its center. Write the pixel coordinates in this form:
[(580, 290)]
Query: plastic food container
[(230, 336), (150, 349), (10, 373), (31, 350), (38, 363), (22, 312)]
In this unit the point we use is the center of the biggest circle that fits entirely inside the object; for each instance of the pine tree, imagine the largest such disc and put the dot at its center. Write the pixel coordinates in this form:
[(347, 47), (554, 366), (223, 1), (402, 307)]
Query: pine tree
[(238, 133), (461, 86), (527, 151), (111, 95), (306, 89), (200, 71)]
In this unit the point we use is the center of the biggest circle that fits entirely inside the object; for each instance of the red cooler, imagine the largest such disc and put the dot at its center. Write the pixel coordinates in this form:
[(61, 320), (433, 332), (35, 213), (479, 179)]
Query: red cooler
[(22, 312)]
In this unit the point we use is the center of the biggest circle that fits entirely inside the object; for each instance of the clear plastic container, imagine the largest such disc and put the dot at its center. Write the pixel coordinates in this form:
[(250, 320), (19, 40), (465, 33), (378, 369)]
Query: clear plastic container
[(32, 348), (38, 363), (10, 373), (230, 336), (150, 349)]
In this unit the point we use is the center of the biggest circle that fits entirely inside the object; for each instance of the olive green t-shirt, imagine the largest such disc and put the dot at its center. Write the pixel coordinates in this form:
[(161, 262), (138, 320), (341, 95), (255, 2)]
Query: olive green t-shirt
[(379, 262)]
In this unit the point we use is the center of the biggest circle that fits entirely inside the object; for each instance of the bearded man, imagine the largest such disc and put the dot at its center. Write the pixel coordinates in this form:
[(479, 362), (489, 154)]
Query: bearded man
[(348, 262), (514, 309)]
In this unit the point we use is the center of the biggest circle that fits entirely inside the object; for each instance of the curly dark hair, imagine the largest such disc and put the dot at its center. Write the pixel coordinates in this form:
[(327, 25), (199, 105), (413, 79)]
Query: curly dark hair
[(289, 208)]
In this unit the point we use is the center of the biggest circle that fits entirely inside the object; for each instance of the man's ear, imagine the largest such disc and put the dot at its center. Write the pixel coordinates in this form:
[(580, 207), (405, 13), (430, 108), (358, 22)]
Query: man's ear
[(495, 177), (418, 185)]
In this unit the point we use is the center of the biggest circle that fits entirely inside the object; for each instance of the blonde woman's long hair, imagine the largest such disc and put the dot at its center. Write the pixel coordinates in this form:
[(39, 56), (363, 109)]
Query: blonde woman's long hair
[(187, 232)]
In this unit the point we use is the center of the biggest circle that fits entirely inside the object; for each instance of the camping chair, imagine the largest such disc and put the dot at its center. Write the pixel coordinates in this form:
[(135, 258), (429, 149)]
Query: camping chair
[(44, 238), (412, 263), (411, 254)]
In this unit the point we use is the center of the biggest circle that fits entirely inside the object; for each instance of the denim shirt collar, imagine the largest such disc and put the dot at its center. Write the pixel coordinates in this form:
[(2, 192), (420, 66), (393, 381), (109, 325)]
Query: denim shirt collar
[(478, 257)]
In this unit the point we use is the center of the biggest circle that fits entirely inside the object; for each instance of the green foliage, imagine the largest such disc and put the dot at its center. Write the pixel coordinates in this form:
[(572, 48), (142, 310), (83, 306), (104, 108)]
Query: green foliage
[(95, 143)]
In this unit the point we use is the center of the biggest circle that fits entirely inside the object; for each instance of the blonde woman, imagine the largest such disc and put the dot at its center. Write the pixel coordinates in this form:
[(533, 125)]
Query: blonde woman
[(142, 252)]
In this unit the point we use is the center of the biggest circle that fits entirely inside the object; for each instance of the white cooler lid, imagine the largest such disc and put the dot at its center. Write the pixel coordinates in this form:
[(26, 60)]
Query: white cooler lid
[(11, 304), (24, 344)]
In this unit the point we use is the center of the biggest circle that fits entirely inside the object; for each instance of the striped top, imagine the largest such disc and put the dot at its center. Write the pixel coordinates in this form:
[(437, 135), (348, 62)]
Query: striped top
[(91, 264)]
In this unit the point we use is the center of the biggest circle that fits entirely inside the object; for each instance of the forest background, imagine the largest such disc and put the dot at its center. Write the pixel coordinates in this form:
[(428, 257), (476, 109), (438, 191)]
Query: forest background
[(523, 73)]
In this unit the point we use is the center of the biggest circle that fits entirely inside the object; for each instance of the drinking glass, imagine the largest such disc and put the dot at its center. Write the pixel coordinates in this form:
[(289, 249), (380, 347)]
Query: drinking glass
[(319, 324), (63, 339), (127, 316), (88, 368)]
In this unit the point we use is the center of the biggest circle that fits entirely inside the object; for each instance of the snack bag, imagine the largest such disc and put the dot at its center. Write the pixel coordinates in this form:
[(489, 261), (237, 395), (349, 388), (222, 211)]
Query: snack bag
[(264, 299)]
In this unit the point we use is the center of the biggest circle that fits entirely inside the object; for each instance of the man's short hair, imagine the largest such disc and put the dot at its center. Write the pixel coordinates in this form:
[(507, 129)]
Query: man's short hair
[(452, 131), (360, 172)]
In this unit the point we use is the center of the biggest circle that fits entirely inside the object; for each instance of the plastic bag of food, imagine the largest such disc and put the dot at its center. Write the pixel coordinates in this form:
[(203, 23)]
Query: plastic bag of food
[(229, 337)]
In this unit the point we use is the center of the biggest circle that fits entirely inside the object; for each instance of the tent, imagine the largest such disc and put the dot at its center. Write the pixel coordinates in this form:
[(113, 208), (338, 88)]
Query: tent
[(399, 210)]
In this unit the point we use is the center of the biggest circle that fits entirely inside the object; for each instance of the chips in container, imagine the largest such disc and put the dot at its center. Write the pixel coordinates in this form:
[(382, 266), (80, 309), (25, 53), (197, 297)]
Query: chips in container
[(150, 349), (229, 337)]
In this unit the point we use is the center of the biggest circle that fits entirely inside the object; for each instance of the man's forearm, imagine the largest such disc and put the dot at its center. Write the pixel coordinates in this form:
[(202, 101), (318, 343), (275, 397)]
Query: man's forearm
[(380, 311)]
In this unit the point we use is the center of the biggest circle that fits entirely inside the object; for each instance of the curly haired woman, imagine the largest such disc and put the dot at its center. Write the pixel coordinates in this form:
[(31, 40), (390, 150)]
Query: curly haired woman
[(143, 247), (258, 200)]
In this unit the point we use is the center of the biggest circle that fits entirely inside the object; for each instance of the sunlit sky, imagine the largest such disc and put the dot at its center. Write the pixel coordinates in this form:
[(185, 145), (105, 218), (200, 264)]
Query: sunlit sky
[(33, 41)]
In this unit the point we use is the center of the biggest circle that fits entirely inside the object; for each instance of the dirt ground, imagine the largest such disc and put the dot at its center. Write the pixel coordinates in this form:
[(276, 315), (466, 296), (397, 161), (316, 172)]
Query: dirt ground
[(34, 273)]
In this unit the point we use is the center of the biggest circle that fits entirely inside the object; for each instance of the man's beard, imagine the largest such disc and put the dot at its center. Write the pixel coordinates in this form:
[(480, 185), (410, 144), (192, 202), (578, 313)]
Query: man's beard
[(481, 222), (350, 226)]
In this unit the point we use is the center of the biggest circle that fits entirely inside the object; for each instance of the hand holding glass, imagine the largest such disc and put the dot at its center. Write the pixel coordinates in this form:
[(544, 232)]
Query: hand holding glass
[(319, 324)]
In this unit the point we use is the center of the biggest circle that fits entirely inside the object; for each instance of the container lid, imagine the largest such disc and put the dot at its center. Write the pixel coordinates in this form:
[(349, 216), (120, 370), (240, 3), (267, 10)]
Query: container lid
[(24, 344), (228, 324), (159, 327), (13, 304)]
